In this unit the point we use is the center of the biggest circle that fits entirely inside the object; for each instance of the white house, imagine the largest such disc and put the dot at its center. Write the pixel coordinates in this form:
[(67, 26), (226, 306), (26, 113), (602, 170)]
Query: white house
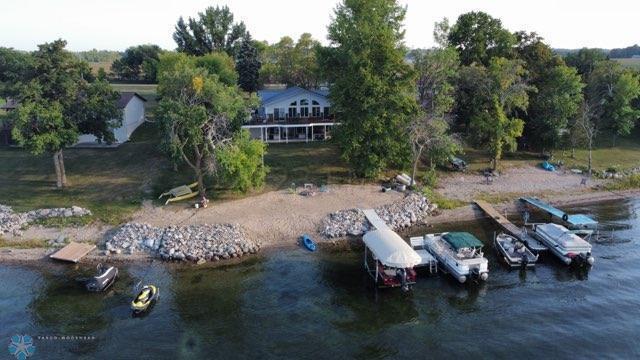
[(292, 115), (132, 105)]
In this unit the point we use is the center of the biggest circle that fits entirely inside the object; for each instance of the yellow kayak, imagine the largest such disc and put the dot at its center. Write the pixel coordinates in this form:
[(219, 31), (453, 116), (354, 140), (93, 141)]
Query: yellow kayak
[(147, 295)]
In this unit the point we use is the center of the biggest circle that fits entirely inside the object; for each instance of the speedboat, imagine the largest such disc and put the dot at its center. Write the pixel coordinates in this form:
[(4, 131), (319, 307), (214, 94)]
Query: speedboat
[(514, 252), (103, 279), (460, 253), (147, 295), (563, 243)]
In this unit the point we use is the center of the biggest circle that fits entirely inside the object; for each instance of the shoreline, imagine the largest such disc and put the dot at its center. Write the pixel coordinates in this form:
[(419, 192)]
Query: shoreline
[(17, 256)]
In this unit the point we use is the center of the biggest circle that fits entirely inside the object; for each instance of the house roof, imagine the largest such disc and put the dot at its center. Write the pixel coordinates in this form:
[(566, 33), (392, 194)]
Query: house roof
[(126, 96), (270, 96)]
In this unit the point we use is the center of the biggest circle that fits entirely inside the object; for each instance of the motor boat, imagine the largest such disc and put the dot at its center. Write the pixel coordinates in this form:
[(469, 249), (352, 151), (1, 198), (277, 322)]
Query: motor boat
[(564, 243), (103, 279), (460, 254), (514, 252)]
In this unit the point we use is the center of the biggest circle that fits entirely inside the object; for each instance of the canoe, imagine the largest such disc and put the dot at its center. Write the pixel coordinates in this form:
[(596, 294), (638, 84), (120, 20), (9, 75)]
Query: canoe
[(308, 243)]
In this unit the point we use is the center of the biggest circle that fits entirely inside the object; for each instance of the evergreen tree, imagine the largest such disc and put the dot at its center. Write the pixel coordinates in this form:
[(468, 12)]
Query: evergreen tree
[(373, 88), (248, 66)]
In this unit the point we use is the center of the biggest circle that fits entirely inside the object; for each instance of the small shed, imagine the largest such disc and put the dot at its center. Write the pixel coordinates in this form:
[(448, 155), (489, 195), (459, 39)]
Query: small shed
[(132, 105)]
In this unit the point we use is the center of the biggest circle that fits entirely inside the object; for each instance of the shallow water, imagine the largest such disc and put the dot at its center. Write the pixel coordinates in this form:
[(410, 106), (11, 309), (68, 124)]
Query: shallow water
[(296, 304)]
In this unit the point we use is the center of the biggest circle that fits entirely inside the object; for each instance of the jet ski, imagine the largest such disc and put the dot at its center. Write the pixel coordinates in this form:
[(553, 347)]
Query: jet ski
[(103, 279), (147, 295)]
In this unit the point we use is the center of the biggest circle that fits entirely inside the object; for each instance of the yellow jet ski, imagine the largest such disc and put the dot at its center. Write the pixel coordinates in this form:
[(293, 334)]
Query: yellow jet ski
[(147, 295)]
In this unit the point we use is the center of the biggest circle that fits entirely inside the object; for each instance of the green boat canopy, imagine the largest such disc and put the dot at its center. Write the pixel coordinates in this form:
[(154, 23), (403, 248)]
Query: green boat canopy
[(460, 240)]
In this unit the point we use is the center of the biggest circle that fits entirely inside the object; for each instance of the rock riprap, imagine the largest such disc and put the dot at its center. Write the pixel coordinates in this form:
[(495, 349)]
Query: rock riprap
[(12, 222), (195, 243), (410, 210)]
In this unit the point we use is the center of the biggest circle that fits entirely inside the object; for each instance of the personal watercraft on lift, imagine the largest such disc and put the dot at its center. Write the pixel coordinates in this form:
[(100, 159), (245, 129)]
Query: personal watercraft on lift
[(103, 279)]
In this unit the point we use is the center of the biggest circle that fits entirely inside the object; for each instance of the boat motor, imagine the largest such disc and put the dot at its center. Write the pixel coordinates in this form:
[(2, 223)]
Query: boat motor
[(402, 275)]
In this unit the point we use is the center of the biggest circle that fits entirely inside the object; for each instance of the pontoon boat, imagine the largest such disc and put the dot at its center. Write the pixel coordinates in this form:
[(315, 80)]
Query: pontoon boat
[(460, 253)]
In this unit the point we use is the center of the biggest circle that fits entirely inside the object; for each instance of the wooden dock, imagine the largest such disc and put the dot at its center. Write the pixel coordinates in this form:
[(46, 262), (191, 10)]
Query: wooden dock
[(509, 227), (72, 252)]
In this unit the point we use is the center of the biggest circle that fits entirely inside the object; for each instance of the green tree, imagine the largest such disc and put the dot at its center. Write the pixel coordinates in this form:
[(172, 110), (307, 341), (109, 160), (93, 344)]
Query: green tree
[(478, 37), (58, 103), (241, 163), (496, 128), (16, 69), (248, 65), (138, 63), (437, 70), (472, 94), (613, 89), (218, 63), (373, 91), (292, 63), (195, 114), (556, 92), (212, 30), (585, 60)]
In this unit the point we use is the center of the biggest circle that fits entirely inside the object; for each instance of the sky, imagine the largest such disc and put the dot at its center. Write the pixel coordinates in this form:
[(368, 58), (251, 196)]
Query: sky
[(118, 24)]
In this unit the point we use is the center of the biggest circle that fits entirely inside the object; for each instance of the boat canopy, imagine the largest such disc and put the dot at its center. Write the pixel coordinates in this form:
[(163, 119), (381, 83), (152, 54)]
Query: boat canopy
[(576, 219), (563, 236), (460, 240), (390, 249)]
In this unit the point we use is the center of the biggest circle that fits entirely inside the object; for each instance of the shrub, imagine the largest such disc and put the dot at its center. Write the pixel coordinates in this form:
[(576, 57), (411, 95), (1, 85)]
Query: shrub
[(629, 182), (241, 167)]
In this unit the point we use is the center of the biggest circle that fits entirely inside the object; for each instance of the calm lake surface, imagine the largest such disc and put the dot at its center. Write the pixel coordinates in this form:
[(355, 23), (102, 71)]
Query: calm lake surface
[(296, 304)]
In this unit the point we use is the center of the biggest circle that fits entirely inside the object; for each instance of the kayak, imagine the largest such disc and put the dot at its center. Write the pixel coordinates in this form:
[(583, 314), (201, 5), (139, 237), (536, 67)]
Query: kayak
[(308, 243), (147, 295), (103, 280)]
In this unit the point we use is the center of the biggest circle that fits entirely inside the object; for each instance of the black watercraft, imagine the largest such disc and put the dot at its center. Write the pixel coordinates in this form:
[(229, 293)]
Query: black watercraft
[(103, 279)]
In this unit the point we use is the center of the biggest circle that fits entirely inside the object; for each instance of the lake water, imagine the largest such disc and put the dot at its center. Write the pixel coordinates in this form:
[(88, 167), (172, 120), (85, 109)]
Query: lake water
[(296, 304)]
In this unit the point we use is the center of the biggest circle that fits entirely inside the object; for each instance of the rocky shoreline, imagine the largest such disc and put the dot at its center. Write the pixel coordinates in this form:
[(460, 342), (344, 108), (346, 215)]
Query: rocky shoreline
[(14, 223), (195, 243), (411, 210)]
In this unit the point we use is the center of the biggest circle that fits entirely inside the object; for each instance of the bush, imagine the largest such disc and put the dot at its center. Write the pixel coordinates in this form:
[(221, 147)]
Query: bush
[(626, 183), (443, 202), (430, 178), (241, 167)]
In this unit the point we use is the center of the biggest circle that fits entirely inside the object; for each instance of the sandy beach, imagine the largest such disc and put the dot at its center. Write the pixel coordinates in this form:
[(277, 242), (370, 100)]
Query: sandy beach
[(277, 218)]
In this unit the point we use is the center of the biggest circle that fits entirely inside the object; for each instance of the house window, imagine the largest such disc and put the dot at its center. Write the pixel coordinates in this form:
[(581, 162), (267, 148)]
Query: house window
[(292, 112), (304, 111), (304, 102), (313, 102), (315, 111), (293, 103), (327, 112)]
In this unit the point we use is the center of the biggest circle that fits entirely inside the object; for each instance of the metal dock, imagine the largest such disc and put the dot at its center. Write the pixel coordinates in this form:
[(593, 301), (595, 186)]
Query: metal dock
[(417, 244), (510, 228), (72, 252)]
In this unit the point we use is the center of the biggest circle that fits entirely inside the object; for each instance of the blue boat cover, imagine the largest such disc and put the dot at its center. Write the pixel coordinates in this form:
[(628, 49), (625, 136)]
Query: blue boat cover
[(576, 219)]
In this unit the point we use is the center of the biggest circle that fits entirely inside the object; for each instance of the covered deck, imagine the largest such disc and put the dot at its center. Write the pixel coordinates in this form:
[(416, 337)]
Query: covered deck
[(291, 129)]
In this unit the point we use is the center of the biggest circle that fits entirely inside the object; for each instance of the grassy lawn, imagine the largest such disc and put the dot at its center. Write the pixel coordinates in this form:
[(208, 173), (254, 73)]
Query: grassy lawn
[(633, 63), (625, 155)]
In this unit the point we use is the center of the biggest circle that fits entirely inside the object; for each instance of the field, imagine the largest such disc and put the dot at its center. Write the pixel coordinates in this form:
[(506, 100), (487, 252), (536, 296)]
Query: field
[(632, 62)]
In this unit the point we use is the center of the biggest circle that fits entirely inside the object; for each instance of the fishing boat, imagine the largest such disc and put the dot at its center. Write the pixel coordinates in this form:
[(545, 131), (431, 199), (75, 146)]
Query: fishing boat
[(389, 260), (145, 298), (307, 242), (563, 243), (103, 279), (459, 253), (514, 252)]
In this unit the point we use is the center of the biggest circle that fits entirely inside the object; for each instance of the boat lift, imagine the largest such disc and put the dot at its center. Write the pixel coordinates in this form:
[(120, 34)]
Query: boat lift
[(581, 224)]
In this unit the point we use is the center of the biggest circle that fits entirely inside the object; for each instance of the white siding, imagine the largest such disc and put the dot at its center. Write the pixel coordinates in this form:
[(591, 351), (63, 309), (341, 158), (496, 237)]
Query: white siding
[(132, 117)]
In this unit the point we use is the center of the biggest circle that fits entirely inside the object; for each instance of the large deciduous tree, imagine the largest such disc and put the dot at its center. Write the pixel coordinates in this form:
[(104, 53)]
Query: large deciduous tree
[(292, 63), (57, 104), (556, 92), (496, 127), (373, 91), (138, 63), (613, 89), (212, 30), (195, 115), (478, 37), (585, 60)]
